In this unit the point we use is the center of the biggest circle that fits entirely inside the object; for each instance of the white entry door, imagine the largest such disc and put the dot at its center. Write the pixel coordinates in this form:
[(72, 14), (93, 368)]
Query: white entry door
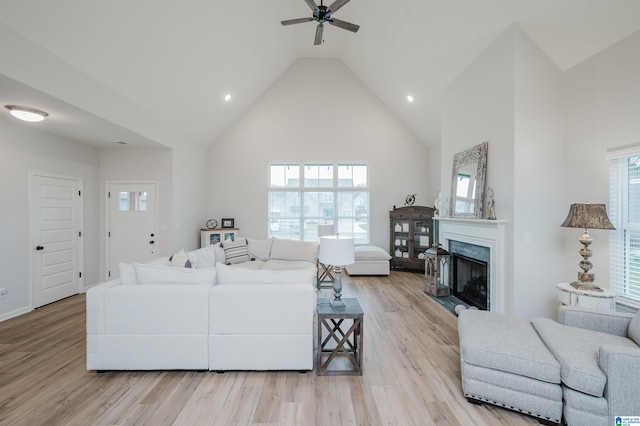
[(56, 238), (132, 232)]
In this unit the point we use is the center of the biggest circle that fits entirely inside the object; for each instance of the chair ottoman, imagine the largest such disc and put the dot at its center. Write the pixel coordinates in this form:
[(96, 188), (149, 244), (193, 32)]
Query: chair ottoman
[(504, 362), (370, 260)]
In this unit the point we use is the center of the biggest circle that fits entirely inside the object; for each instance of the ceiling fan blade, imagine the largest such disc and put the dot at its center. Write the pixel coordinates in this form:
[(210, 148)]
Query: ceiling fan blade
[(337, 5), (319, 31), (312, 4), (344, 25), (296, 21)]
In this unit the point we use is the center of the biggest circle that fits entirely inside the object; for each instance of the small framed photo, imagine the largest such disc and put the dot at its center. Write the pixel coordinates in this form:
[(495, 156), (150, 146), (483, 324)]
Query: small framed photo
[(228, 223)]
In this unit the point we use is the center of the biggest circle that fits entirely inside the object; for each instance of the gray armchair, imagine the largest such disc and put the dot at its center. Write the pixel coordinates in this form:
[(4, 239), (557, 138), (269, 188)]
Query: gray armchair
[(584, 369), (599, 357)]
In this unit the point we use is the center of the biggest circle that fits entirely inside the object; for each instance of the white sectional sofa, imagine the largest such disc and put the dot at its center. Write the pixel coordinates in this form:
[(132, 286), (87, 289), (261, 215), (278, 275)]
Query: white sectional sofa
[(253, 315)]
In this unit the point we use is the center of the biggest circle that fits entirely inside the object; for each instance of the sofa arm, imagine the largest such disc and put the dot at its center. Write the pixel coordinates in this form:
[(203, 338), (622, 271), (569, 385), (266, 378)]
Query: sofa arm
[(621, 365), (603, 321), (95, 306)]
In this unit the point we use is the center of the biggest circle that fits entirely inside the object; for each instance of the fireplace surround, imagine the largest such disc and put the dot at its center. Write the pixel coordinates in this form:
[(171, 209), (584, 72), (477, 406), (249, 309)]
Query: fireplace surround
[(490, 235)]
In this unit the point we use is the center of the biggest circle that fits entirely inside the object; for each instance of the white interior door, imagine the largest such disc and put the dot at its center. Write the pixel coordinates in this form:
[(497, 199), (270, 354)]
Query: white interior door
[(55, 229), (132, 232)]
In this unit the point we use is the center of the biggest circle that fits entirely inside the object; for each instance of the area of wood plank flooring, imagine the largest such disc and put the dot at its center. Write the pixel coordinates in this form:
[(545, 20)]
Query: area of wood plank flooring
[(411, 374)]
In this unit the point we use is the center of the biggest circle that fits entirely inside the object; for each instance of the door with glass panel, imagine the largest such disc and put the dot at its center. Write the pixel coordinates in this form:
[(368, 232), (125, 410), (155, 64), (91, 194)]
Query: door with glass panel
[(131, 224)]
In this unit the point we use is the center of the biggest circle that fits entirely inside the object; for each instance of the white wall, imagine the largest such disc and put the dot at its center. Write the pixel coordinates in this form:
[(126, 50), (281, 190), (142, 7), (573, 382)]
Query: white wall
[(191, 191), (602, 96), (23, 149), (538, 206), (509, 96), (128, 164), (318, 110)]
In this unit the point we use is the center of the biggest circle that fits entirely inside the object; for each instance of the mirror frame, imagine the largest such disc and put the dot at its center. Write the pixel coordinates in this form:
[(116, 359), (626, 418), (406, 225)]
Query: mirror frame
[(476, 155)]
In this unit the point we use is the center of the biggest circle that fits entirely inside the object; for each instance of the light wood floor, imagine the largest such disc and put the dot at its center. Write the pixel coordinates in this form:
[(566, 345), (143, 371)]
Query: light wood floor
[(411, 375)]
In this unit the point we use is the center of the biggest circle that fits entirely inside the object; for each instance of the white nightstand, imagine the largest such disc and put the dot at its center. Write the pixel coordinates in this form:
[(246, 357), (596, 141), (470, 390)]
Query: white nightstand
[(604, 300)]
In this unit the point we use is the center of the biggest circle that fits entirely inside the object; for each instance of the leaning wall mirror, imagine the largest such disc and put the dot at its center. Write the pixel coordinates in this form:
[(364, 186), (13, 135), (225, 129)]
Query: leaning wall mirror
[(467, 181)]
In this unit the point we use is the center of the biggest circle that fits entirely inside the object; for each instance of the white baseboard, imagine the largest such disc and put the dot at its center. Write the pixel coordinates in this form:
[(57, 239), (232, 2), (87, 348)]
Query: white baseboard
[(15, 313)]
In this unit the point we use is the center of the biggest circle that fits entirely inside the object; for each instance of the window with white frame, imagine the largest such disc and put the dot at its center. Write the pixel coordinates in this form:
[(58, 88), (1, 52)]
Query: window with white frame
[(303, 196), (624, 213)]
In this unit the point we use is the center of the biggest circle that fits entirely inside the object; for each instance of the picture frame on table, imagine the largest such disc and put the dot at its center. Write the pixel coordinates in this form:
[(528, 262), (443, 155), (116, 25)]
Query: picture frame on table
[(228, 223)]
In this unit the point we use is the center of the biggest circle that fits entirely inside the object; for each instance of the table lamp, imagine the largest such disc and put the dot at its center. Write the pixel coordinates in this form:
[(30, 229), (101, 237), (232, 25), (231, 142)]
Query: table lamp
[(587, 216), (337, 251)]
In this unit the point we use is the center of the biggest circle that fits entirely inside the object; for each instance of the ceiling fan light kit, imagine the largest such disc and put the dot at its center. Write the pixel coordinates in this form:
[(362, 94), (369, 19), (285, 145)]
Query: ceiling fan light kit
[(322, 14)]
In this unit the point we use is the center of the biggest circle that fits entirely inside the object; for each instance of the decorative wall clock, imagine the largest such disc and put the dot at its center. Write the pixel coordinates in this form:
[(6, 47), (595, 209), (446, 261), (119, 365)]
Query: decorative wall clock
[(410, 200), (212, 224)]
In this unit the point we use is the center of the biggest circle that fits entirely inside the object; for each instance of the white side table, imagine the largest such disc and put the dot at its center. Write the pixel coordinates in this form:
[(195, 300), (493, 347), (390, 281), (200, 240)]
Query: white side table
[(604, 300)]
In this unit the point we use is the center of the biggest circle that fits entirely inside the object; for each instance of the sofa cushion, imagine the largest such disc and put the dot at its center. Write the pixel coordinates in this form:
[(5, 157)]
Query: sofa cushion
[(260, 249), (155, 274), (203, 258), (254, 265), (294, 250), (576, 349), (229, 275), (634, 329), (236, 251), (370, 253), (285, 265), (505, 343)]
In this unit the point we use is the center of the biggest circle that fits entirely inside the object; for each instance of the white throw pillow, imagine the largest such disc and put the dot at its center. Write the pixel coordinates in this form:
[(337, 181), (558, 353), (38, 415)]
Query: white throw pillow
[(260, 249), (294, 250), (180, 260), (203, 258), (219, 253), (154, 274), (128, 274), (231, 275)]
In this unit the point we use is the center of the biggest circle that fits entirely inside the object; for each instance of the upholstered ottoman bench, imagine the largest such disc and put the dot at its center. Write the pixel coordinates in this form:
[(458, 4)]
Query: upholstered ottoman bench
[(504, 362), (370, 260)]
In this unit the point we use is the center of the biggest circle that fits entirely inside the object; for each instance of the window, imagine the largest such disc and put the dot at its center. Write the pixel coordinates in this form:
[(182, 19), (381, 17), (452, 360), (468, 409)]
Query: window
[(132, 201), (624, 213), (301, 197)]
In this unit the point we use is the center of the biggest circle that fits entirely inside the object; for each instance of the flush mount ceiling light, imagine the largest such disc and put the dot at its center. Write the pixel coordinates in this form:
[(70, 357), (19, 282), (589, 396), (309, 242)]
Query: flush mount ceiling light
[(227, 97), (24, 113), (409, 98)]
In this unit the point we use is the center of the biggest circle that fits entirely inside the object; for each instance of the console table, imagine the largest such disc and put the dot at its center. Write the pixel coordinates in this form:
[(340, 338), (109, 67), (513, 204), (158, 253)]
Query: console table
[(340, 336), (604, 300)]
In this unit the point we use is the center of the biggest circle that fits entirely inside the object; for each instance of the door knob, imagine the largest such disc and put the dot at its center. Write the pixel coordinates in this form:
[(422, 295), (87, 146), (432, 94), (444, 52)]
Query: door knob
[(151, 242), (152, 235), (39, 248)]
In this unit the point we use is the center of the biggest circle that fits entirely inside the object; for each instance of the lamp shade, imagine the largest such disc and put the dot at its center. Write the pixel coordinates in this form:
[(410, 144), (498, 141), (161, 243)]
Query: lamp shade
[(336, 250), (588, 216)]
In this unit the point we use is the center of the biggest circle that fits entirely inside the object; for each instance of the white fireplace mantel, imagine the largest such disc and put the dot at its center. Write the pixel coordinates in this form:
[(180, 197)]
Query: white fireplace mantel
[(485, 233)]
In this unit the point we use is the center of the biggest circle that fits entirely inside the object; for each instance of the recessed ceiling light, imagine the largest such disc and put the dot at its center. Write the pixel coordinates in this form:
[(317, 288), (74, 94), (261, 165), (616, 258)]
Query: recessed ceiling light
[(410, 98), (24, 113), (227, 97)]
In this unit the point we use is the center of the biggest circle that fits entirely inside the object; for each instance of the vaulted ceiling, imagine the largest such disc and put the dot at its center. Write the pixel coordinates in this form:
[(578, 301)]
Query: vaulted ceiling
[(173, 62)]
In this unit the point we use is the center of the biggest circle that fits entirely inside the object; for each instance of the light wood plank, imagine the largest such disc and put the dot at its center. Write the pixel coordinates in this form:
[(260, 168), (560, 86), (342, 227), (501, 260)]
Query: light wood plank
[(411, 374)]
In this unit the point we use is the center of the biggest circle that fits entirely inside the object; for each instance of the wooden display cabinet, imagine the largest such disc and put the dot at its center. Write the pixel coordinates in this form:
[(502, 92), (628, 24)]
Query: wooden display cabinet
[(411, 235)]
